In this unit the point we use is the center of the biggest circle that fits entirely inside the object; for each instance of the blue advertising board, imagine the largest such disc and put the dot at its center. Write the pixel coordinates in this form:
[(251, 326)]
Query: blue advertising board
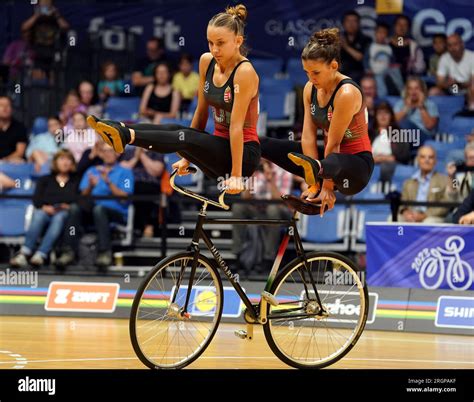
[(420, 256)]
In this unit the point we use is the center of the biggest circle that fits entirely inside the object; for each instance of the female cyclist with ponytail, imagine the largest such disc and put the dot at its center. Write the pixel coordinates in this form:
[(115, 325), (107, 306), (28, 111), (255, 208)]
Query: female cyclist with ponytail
[(229, 84), (333, 102)]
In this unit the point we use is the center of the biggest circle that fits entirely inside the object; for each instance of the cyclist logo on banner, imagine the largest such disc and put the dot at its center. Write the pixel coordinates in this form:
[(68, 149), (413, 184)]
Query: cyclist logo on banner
[(420, 256), (436, 264)]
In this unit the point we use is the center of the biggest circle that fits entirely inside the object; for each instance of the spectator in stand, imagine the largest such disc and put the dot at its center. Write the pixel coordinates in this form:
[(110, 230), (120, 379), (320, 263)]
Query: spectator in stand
[(428, 186), (18, 55), (462, 176), (387, 149), (465, 213), (143, 72), (52, 199), (45, 27), (13, 136), (354, 45), (371, 98), (380, 62), (415, 110), (186, 81), (160, 100), (455, 75), (71, 105), (43, 147), (439, 48), (406, 52), (89, 98), (108, 179), (80, 137), (110, 84), (147, 167), (269, 182)]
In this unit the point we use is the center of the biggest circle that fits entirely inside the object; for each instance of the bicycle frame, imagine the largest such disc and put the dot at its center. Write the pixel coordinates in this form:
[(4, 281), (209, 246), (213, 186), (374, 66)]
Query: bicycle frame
[(199, 233)]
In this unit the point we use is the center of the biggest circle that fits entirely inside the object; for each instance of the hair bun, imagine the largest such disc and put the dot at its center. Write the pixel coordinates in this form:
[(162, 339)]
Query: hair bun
[(239, 11), (326, 37)]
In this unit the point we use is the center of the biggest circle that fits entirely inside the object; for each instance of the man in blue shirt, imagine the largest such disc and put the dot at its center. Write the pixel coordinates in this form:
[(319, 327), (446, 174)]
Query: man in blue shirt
[(108, 179)]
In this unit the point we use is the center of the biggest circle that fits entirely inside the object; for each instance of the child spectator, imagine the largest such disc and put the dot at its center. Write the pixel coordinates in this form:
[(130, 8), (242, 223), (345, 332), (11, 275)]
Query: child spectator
[(110, 84), (439, 47), (42, 147), (380, 62), (80, 137), (71, 105), (89, 98)]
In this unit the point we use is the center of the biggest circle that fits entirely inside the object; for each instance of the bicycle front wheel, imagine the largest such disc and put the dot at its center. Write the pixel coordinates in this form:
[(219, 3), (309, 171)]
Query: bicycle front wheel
[(302, 334), (162, 336)]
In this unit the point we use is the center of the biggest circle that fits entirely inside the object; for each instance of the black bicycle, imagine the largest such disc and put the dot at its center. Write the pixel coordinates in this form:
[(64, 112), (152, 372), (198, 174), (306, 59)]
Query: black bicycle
[(313, 311)]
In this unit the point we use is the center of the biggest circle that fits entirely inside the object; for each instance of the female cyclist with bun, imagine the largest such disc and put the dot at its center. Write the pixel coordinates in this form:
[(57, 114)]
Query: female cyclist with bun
[(333, 102), (229, 84)]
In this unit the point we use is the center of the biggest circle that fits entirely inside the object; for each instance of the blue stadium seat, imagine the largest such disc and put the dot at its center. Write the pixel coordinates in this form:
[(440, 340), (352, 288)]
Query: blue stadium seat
[(267, 68), (361, 214), (374, 186), (460, 126), (277, 100), (448, 104), (331, 232), (40, 125), (44, 170), (447, 107), (124, 109), (455, 154), (375, 173), (295, 72), (12, 218), (21, 171), (441, 148), (402, 173)]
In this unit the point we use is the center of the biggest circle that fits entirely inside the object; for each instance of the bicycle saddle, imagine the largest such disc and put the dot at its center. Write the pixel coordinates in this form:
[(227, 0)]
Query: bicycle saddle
[(300, 205)]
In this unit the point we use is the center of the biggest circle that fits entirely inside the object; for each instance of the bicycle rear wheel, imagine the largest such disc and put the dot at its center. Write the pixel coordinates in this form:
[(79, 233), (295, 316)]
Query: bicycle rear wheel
[(297, 331), (161, 335)]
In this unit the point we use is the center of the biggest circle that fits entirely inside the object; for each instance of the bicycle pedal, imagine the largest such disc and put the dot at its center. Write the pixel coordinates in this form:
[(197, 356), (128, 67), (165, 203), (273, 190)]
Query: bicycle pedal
[(240, 333), (270, 298)]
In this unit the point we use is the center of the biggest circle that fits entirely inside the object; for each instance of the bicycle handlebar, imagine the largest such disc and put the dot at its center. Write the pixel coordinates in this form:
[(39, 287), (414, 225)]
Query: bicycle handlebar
[(184, 191)]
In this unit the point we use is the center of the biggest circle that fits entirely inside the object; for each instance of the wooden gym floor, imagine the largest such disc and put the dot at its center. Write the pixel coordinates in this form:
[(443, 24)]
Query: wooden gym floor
[(98, 343)]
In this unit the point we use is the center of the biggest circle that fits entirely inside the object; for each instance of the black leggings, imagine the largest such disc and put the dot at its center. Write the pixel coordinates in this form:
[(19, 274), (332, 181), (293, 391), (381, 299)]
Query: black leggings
[(349, 172), (210, 153)]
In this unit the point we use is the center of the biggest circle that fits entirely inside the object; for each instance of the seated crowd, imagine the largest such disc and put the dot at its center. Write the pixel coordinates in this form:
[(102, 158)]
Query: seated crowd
[(72, 162)]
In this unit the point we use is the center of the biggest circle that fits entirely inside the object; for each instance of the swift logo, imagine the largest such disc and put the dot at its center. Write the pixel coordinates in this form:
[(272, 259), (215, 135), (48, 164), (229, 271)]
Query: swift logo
[(82, 296)]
